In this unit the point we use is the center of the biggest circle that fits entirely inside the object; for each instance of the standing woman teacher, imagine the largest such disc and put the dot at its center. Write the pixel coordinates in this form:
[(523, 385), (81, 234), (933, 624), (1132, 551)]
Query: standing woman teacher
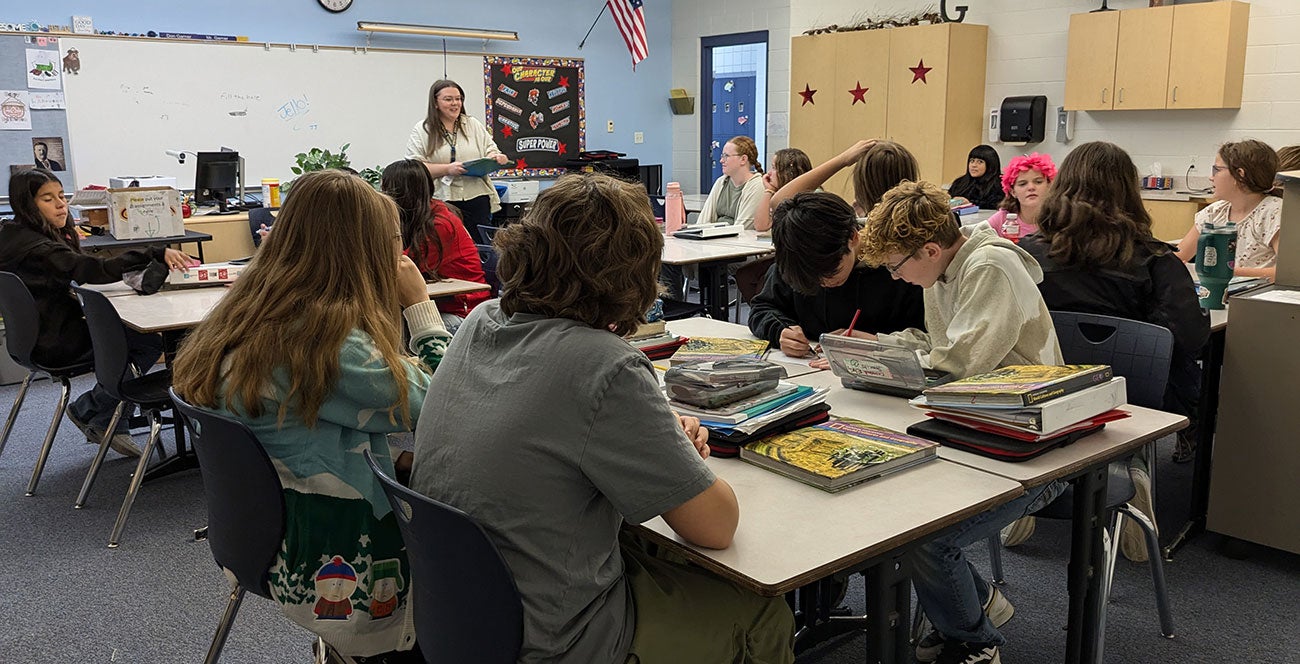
[(444, 140)]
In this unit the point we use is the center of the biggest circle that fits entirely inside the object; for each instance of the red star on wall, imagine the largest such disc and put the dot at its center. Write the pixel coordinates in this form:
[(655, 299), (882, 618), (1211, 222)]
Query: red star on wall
[(563, 149), (521, 164), (507, 131), (807, 95), (564, 81), (919, 72), (859, 93), (506, 69)]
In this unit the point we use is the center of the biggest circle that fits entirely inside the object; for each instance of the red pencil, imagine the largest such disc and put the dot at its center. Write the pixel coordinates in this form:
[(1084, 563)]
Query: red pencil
[(849, 332)]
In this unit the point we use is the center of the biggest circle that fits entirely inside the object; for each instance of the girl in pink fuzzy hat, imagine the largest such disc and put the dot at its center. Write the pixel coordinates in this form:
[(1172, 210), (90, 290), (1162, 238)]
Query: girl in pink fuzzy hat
[(1024, 181)]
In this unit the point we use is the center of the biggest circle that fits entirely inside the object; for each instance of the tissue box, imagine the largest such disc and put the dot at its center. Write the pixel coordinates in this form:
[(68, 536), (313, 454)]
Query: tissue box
[(208, 274), (124, 181), (145, 212)]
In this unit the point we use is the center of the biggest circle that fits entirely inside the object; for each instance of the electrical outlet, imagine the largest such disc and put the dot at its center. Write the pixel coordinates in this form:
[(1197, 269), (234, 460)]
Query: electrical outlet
[(609, 126), (1200, 165), (638, 137)]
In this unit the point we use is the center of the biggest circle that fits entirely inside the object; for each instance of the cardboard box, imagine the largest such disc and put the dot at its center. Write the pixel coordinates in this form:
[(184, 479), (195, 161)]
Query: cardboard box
[(208, 274), (124, 181), (92, 216), (145, 212)]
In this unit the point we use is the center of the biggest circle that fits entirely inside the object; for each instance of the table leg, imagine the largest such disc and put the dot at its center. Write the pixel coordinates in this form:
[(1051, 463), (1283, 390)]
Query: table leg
[(1212, 368), (185, 458), (889, 610), (1087, 567), (713, 289)]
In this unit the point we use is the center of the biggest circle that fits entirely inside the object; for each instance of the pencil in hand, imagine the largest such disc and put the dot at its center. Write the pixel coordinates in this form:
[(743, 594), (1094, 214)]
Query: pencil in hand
[(848, 332)]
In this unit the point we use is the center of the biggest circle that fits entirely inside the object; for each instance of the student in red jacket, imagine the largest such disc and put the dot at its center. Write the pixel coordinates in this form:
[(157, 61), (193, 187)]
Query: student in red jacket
[(434, 237)]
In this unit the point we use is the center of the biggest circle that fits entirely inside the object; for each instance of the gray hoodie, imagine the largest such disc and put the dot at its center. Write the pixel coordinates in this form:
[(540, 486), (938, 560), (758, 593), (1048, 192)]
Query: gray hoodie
[(985, 311)]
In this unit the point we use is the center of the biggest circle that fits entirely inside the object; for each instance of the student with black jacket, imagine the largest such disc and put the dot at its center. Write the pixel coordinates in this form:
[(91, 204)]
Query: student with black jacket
[(41, 246), (982, 182)]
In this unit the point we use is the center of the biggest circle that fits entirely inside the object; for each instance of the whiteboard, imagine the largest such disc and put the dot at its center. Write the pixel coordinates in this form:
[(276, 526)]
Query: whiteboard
[(135, 99)]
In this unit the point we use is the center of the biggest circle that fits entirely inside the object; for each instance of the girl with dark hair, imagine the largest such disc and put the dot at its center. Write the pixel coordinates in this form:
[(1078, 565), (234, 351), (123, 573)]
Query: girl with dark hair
[(1242, 176), (40, 245), (981, 184), (444, 140), (787, 164), (433, 237)]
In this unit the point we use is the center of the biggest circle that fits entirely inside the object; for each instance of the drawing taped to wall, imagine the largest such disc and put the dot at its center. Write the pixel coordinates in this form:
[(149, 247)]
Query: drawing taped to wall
[(15, 110)]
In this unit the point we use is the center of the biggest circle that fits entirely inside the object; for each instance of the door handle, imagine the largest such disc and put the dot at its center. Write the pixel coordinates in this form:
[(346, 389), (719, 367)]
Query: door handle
[(1175, 94), (1121, 95), (1103, 95)]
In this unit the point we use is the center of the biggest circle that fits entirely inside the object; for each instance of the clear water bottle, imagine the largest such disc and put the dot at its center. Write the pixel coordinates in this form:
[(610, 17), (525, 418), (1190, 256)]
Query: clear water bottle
[(1011, 227), (674, 209)]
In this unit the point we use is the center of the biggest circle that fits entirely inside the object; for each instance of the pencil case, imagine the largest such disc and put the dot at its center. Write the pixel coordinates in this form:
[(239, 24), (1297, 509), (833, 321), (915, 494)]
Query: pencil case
[(711, 384)]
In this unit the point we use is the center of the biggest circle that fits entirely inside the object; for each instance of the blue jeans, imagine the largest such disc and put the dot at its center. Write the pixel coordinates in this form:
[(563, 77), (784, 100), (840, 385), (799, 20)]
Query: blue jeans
[(96, 407), (948, 587)]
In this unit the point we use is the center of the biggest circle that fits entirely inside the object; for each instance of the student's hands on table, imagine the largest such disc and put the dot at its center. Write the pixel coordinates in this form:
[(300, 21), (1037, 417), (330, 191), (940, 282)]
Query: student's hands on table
[(178, 260), (411, 288), (794, 343), (698, 435)]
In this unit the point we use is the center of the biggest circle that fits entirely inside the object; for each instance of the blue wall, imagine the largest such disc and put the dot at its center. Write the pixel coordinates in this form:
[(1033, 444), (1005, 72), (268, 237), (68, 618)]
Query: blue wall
[(635, 101)]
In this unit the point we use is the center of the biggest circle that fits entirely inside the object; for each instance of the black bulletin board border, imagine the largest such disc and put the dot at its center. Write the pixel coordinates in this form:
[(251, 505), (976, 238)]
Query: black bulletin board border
[(496, 69)]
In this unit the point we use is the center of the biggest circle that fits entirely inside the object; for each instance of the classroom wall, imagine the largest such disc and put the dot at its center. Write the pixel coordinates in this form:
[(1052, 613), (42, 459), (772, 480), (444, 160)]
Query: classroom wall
[(1026, 55), (691, 20), (635, 101)]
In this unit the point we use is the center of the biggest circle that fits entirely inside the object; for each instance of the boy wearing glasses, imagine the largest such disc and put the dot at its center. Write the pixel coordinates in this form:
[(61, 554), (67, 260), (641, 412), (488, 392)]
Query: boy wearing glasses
[(819, 282)]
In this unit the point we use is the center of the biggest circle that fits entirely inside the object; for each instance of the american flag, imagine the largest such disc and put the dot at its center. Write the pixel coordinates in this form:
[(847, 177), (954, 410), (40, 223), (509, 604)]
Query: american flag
[(630, 19)]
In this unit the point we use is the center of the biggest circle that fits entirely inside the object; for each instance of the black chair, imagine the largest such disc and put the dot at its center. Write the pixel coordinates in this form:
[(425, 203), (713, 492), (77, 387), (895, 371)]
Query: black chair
[(245, 506), (750, 279), (487, 233), (115, 374), (467, 608), (18, 308), (258, 217), (487, 255)]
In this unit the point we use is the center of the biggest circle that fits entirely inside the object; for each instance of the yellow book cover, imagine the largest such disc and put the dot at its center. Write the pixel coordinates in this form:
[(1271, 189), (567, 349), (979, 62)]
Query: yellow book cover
[(838, 453), (713, 349), (1023, 385)]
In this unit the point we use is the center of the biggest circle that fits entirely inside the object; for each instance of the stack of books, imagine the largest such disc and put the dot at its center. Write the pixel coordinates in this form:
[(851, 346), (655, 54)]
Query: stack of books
[(1018, 412), (838, 453), (655, 340), (712, 349)]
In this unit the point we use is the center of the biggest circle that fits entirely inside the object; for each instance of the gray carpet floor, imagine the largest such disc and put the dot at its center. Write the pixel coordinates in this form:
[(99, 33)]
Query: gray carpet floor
[(158, 598)]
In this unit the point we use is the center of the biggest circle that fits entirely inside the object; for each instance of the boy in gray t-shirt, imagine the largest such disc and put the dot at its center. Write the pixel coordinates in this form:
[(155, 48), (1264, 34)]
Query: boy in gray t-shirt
[(550, 431)]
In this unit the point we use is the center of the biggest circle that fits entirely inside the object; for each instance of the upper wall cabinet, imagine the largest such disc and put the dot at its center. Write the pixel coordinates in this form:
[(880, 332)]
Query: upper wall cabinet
[(1186, 56)]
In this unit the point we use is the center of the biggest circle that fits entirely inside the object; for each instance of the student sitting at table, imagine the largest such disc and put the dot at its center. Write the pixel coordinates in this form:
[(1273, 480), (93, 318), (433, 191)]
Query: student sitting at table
[(787, 164), (819, 283), (305, 349), (983, 311), (41, 246), (434, 237), (981, 184), (1242, 176), (1098, 256), (1025, 182), (735, 195), (579, 439)]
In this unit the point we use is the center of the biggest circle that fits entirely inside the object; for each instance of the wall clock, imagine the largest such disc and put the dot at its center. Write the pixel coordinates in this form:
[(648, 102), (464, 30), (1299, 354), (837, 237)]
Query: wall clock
[(335, 6)]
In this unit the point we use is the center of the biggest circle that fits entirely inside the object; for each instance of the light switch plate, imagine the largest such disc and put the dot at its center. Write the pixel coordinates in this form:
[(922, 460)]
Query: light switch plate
[(638, 137), (609, 127)]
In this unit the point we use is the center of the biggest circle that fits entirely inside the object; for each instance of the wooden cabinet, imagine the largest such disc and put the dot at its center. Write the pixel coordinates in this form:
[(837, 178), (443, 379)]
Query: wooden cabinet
[(1170, 220), (231, 237), (1185, 56), (921, 86), (1207, 59)]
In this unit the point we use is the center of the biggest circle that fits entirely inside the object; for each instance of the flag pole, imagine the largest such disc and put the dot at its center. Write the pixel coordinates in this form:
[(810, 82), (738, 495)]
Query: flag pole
[(603, 7)]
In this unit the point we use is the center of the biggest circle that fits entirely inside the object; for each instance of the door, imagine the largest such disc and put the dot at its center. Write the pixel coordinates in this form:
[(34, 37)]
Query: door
[(1090, 61), (813, 64), (918, 83), (733, 80), (1142, 57), (1207, 55), (860, 96)]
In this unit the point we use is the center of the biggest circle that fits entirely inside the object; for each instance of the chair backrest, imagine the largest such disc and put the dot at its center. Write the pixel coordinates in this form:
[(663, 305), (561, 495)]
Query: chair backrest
[(751, 277), (1140, 352), (487, 255), (487, 232), (22, 324), (467, 608), (107, 338), (256, 218), (244, 495)]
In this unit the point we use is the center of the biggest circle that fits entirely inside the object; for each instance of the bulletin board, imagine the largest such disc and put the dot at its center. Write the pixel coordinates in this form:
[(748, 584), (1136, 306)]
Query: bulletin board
[(536, 112), (31, 95)]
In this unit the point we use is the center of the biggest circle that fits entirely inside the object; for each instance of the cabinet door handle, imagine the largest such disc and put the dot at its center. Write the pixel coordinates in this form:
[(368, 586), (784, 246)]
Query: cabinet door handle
[(1121, 95), (1103, 95), (1175, 94)]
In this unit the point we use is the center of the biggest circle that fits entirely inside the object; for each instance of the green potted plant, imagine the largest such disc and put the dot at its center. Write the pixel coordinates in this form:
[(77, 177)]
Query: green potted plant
[(317, 159)]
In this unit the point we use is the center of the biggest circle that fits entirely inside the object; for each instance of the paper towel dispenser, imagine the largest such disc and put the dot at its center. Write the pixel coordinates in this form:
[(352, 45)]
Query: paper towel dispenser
[(1023, 119)]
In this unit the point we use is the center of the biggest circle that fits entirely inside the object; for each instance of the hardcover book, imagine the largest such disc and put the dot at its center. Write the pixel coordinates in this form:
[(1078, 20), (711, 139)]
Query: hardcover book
[(1043, 418), (1023, 385), (712, 349), (838, 453)]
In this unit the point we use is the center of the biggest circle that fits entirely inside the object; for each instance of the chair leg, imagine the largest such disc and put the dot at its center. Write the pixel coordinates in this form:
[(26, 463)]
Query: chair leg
[(223, 630), (66, 390), (1112, 552), (93, 472), (995, 558), (13, 412), (1157, 570), (155, 428)]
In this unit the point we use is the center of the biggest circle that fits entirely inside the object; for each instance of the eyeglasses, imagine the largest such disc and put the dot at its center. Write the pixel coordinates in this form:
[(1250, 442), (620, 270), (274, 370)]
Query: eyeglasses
[(893, 269), (1215, 168), (727, 156), (451, 100)]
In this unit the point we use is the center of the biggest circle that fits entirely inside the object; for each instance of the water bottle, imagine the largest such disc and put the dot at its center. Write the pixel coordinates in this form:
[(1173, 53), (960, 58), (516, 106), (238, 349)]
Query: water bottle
[(1011, 227), (674, 209)]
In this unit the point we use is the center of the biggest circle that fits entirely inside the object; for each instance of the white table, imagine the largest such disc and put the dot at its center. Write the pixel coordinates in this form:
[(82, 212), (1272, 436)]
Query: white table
[(711, 256)]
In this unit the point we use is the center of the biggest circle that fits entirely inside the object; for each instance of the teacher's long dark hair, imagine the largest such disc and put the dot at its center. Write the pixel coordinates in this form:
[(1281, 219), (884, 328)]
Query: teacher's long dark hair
[(23, 186)]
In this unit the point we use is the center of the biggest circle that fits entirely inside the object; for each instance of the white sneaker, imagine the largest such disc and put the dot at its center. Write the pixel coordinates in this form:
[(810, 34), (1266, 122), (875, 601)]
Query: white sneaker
[(1018, 531), (999, 610), (1132, 542)]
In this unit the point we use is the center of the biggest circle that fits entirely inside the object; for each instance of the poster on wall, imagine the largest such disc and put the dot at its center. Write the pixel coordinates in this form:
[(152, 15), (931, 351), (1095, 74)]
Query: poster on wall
[(47, 152), (15, 110), (44, 71), (536, 112)]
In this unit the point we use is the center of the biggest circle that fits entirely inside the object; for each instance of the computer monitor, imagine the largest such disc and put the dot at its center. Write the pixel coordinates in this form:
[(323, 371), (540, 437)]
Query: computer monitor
[(216, 178)]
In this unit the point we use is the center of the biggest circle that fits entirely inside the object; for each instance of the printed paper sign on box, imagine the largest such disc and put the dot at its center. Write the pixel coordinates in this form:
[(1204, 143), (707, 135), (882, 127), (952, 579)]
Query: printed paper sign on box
[(143, 212)]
